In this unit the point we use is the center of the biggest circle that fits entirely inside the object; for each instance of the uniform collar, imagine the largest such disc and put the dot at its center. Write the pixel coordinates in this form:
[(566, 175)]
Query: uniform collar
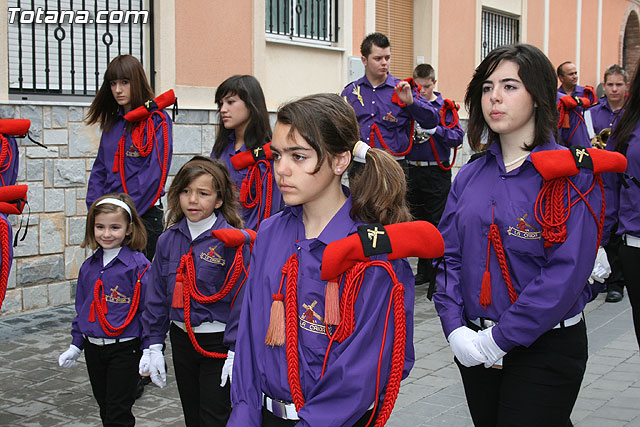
[(439, 101), (124, 256), (183, 228), (390, 81)]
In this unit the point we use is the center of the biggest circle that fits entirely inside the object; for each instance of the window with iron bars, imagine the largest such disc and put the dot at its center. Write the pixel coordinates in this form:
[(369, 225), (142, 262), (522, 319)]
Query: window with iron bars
[(64, 58), (303, 19), (497, 30)]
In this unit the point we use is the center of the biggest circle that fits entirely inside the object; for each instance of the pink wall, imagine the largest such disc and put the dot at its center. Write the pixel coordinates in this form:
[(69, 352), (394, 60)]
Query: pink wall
[(562, 31), (614, 19), (210, 45), (358, 25), (535, 24), (456, 47), (588, 43)]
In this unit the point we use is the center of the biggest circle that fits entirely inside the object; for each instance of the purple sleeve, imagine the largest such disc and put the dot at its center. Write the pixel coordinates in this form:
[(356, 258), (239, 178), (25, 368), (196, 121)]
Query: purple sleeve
[(423, 112), (612, 194), (348, 386), (81, 296), (450, 137), (448, 298), (98, 176), (231, 331), (144, 283), (155, 318)]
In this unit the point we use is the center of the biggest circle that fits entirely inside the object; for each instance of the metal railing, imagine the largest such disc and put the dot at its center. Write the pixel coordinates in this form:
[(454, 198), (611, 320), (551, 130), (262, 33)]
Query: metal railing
[(303, 19), (498, 30), (67, 50)]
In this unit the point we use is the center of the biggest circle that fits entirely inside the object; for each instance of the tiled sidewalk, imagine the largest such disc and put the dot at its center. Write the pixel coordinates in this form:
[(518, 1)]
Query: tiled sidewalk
[(34, 391)]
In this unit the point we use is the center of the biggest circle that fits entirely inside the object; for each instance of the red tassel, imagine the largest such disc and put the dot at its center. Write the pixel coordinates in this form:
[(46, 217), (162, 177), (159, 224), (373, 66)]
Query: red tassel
[(104, 304), (275, 333), (116, 162), (332, 304), (485, 290), (565, 121), (244, 191), (178, 292), (92, 312)]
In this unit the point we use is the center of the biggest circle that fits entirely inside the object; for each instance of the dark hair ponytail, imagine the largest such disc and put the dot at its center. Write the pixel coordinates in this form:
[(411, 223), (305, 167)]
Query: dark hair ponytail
[(330, 127)]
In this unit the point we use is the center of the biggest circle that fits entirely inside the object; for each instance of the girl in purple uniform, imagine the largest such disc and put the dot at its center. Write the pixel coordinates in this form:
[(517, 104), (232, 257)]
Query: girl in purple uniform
[(109, 303), (146, 152), (324, 380), (626, 140), (195, 291), (518, 252), (244, 128)]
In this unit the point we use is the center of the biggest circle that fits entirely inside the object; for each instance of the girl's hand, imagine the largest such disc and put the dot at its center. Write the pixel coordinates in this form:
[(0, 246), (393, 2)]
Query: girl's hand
[(69, 357)]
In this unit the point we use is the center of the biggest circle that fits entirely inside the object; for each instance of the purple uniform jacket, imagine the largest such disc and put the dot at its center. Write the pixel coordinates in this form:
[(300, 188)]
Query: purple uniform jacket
[(212, 261), (551, 284), (626, 195), (445, 139), (142, 174), (347, 389), (9, 169), (119, 279), (251, 215), (602, 115), (373, 105), (576, 122)]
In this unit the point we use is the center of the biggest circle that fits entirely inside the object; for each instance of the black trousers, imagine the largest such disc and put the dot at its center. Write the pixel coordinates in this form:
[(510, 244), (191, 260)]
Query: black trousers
[(204, 402), (537, 386), (152, 221), (270, 420), (428, 189), (615, 281), (630, 260), (113, 372)]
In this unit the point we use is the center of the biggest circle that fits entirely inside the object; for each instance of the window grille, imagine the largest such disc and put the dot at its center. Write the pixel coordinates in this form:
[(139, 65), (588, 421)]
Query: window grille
[(303, 19), (497, 30), (70, 59)]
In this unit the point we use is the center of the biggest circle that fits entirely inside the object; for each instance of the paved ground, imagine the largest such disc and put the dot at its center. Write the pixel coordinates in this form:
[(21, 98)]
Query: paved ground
[(34, 391)]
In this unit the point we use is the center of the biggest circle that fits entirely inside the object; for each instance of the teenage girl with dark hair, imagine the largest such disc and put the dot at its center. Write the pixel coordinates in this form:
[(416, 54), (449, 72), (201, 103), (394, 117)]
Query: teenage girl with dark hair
[(242, 139), (521, 229)]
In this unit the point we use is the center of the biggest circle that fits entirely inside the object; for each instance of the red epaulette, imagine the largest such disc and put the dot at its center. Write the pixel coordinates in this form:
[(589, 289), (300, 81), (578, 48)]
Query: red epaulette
[(160, 102), (248, 158), (14, 127), (554, 164), (13, 198)]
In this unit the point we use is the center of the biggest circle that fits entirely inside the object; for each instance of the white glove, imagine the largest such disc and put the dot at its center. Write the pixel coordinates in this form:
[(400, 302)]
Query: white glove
[(431, 131), (69, 357), (489, 348), (145, 362), (601, 268), (462, 341), (156, 365), (227, 369)]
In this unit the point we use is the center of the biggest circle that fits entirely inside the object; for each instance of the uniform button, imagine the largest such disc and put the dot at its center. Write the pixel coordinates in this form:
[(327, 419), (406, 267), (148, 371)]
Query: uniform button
[(374, 90), (373, 102), (503, 177), (372, 114)]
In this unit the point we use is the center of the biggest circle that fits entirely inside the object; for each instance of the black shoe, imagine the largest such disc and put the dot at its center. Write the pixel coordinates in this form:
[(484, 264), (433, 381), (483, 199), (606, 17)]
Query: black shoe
[(140, 385), (420, 279), (613, 296)]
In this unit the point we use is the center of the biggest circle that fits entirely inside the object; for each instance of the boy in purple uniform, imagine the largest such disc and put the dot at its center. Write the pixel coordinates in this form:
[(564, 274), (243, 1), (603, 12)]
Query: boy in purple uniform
[(429, 172), (521, 283), (386, 106), (573, 130), (625, 139), (602, 116), (319, 382)]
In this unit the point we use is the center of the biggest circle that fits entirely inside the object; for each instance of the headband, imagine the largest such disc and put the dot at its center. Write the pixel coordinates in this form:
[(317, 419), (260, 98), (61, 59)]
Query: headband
[(116, 202), (360, 151)]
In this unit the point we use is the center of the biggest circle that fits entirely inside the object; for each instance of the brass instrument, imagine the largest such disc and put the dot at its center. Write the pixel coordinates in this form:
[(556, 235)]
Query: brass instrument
[(600, 140)]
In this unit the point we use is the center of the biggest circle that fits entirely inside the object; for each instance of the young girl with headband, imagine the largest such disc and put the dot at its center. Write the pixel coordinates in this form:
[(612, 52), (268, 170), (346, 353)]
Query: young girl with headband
[(195, 290), (134, 156), (109, 302), (324, 265), (242, 143)]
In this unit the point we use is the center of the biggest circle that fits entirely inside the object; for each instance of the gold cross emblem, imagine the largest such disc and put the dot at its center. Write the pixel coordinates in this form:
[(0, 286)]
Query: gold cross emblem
[(373, 235), (256, 151), (356, 92), (147, 103), (581, 152)]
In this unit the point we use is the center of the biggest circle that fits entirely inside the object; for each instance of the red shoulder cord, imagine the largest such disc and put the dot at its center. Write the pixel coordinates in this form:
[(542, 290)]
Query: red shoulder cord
[(552, 212), (352, 283), (254, 180), (186, 278), (5, 266), (564, 111), (375, 130), (5, 151), (494, 239), (99, 305), (144, 148), (448, 105)]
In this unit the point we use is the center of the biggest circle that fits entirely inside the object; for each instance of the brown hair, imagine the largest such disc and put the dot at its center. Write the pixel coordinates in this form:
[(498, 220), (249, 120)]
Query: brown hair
[(222, 184), (330, 127), (424, 71), (104, 108), (137, 240)]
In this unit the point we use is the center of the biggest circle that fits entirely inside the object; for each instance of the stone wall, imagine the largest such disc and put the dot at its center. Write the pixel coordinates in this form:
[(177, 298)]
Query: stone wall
[(47, 261)]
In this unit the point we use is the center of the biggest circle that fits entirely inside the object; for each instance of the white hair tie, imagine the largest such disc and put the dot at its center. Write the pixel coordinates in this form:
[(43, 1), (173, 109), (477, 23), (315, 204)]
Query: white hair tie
[(360, 152), (116, 202)]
